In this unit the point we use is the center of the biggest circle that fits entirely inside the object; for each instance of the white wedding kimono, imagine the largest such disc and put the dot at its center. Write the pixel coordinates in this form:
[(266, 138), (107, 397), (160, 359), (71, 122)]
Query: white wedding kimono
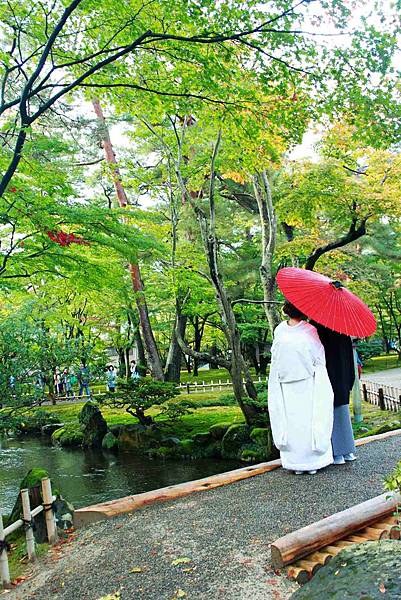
[(300, 398)]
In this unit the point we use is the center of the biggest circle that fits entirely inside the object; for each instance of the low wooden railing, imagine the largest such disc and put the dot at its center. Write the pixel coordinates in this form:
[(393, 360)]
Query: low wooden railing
[(219, 385), (27, 521), (386, 397)]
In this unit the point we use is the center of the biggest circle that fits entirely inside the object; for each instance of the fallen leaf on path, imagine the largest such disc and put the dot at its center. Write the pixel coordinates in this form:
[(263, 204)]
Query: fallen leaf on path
[(181, 561), (179, 594), (188, 570), (136, 570), (115, 596)]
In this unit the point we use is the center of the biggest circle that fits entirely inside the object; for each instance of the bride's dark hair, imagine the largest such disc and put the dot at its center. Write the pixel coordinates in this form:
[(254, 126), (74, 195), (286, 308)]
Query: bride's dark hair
[(291, 311)]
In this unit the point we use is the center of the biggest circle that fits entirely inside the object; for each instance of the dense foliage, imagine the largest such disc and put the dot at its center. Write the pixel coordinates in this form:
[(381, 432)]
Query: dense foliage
[(149, 190)]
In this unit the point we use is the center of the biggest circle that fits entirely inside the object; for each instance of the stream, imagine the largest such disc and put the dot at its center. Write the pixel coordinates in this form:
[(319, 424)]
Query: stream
[(90, 476)]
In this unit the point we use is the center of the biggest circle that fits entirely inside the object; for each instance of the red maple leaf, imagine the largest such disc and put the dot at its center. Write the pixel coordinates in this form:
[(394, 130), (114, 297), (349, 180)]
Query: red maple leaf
[(65, 239)]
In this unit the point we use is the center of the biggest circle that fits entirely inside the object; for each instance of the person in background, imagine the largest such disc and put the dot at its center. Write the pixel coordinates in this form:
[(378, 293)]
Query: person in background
[(300, 397), (134, 370), (11, 382), (67, 382), (83, 380), (111, 378), (58, 382), (340, 367), (39, 386)]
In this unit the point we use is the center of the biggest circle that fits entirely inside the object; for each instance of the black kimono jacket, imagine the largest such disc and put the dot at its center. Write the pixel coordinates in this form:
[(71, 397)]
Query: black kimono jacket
[(339, 362)]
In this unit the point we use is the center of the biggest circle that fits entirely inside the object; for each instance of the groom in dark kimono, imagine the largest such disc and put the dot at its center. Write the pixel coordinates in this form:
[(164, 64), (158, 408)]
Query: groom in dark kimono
[(340, 367)]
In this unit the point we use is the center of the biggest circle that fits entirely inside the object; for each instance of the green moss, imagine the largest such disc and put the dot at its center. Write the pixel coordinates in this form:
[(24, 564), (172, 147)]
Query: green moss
[(249, 455), (262, 437), (109, 441), (163, 452), (203, 438), (234, 441), (69, 435), (186, 447), (218, 430), (33, 478), (365, 571)]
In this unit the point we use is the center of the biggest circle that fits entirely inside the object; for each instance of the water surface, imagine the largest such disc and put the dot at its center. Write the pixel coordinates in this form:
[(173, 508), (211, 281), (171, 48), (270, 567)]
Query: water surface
[(90, 476)]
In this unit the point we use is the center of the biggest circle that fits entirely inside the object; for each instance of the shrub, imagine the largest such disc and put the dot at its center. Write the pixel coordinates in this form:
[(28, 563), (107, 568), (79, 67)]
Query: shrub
[(393, 481), (138, 396)]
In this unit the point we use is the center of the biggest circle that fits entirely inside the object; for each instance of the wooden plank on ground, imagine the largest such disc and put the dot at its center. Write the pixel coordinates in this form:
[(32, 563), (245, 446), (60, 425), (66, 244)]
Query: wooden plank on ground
[(107, 510)]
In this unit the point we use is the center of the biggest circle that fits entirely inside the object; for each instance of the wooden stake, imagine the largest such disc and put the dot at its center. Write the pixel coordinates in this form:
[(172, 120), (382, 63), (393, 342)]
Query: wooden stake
[(26, 513), (4, 570), (357, 539), (301, 576), (49, 516)]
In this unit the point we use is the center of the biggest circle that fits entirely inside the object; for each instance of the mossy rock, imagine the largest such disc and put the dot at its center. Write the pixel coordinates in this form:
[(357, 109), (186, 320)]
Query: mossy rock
[(263, 438), (109, 441), (202, 439), (170, 442), (251, 455), (365, 572), (163, 452), (70, 435), (218, 430), (187, 447), (94, 426), (235, 440), (31, 481), (139, 438), (212, 450)]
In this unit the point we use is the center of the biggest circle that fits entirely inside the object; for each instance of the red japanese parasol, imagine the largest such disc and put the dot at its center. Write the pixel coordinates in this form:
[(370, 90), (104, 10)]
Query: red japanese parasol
[(326, 301)]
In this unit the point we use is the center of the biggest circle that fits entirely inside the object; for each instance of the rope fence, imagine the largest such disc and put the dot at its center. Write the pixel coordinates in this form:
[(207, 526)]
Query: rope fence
[(27, 522)]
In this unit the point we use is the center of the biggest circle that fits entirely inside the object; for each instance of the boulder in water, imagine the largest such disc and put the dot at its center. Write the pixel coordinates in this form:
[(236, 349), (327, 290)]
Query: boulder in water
[(94, 426)]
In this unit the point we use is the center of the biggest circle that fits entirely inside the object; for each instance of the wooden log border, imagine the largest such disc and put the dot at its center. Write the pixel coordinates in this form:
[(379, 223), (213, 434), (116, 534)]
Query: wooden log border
[(324, 533), (107, 510), (113, 508)]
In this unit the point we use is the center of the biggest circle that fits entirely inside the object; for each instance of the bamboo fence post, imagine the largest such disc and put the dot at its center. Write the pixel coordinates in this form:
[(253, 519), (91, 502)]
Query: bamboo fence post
[(4, 570), (47, 506), (382, 405), (26, 514), (365, 392)]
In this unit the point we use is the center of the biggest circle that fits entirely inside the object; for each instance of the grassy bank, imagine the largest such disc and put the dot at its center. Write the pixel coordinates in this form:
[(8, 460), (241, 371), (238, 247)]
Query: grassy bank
[(202, 418)]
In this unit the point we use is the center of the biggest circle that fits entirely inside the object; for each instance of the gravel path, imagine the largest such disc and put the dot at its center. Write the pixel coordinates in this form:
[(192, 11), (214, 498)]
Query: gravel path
[(223, 534), (389, 377)]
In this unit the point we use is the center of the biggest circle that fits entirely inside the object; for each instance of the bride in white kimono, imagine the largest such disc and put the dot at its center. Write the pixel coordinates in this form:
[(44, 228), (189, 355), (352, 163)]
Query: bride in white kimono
[(300, 396)]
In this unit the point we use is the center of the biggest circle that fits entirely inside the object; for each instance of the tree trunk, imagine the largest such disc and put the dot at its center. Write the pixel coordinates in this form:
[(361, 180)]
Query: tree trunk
[(137, 284), (269, 234), (142, 367), (122, 365), (237, 365), (174, 357), (198, 330)]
